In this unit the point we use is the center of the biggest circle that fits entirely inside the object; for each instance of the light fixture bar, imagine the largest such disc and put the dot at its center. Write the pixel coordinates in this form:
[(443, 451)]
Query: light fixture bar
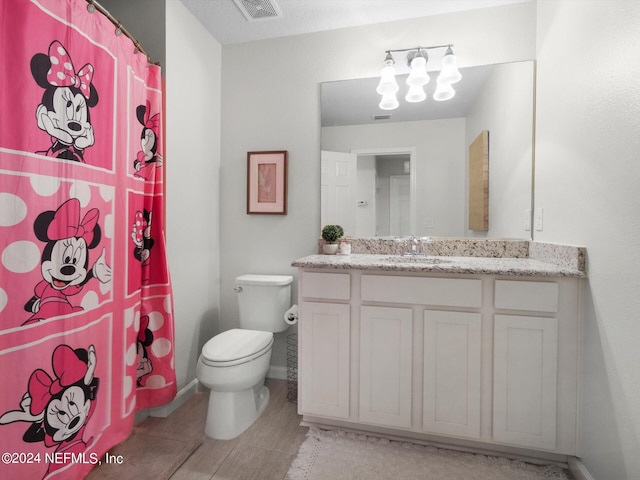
[(417, 59), (449, 45)]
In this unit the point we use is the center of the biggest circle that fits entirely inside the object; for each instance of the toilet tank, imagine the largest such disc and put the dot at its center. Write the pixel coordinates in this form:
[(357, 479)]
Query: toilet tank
[(263, 300)]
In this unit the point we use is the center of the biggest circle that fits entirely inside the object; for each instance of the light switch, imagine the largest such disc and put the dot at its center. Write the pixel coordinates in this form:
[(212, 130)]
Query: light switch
[(538, 219), (527, 220)]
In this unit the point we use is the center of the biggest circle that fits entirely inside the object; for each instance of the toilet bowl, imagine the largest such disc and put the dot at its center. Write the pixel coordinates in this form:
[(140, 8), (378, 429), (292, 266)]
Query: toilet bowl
[(233, 365)]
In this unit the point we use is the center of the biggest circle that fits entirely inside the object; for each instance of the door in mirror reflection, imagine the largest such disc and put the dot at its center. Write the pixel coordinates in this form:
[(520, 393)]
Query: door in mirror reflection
[(367, 192), (393, 196), (338, 190), (399, 224)]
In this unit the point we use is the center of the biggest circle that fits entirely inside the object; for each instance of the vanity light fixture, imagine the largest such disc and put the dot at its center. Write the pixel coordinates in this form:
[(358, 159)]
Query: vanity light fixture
[(418, 77), (417, 59), (449, 73), (444, 91), (388, 87)]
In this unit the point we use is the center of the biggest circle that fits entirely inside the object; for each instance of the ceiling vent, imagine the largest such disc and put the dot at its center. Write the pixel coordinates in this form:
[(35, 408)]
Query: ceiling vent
[(258, 9), (381, 117)]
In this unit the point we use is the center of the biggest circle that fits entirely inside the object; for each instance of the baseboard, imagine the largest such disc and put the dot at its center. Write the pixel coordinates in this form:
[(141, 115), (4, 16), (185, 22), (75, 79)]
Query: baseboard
[(182, 396), (578, 470), (470, 446), (277, 372), (140, 416)]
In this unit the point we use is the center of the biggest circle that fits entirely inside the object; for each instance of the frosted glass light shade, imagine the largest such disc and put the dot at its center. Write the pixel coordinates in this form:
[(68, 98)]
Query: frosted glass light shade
[(388, 84), (389, 102), (449, 73), (443, 92), (415, 94), (418, 75)]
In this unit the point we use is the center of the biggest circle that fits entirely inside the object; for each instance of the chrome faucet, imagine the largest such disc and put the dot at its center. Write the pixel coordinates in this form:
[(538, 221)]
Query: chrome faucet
[(414, 247)]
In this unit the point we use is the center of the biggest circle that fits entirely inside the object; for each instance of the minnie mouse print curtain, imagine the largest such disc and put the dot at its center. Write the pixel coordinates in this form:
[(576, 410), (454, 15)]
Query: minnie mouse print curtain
[(86, 313)]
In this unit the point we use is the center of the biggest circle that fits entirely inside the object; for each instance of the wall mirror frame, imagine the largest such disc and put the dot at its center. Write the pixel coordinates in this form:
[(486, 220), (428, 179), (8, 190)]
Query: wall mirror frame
[(499, 98)]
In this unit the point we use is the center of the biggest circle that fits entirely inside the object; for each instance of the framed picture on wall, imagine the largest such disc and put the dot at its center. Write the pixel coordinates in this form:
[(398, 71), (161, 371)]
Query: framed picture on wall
[(267, 182)]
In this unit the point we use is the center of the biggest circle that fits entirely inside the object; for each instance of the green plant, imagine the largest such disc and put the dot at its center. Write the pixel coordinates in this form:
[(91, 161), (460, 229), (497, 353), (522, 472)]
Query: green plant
[(331, 233)]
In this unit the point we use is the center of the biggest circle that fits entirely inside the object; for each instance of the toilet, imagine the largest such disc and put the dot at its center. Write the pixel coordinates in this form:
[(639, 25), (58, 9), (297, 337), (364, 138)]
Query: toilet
[(234, 364)]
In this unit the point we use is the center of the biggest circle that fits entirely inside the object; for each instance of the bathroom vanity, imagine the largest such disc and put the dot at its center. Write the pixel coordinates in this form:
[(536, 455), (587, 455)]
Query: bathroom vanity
[(478, 352)]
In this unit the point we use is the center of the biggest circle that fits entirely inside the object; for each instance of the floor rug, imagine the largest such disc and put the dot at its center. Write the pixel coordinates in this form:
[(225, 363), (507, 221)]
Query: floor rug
[(336, 455)]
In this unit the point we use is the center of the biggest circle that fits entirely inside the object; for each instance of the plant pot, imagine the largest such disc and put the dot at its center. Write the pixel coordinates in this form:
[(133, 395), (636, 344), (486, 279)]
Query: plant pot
[(330, 248)]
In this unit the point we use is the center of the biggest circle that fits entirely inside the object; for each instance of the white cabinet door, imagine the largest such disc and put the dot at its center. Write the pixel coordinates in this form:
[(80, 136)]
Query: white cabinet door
[(323, 355), (451, 387), (524, 381), (385, 366)]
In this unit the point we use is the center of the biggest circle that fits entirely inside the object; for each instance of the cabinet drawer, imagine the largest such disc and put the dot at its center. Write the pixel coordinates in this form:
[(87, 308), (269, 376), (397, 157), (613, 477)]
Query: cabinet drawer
[(449, 292), (333, 286), (528, 296)]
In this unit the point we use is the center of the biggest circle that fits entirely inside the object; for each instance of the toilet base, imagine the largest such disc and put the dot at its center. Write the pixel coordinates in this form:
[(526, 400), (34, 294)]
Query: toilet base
[(231, 413)]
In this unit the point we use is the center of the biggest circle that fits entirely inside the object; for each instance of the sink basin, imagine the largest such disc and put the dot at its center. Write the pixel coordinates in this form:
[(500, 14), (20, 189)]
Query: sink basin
[(416, 259)]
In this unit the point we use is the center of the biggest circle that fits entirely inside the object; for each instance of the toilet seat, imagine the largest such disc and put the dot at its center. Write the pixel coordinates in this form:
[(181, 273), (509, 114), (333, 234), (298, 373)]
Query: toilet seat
[(236, 346)]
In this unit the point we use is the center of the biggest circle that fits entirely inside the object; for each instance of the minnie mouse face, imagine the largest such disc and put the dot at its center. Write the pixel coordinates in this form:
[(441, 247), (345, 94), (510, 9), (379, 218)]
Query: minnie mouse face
[(66, 264), (69, 112), (58, 407), (144, 364), (148, 154), (67, 415), (145, 339), (65, 258), (64, 110), (141, 235), (148, 142)]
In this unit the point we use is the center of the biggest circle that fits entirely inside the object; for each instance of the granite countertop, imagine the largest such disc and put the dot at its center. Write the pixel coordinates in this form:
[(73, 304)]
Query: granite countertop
[(440, 264)]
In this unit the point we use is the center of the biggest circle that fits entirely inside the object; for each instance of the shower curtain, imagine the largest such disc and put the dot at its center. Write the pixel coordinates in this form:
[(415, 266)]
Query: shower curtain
[(86, 312)]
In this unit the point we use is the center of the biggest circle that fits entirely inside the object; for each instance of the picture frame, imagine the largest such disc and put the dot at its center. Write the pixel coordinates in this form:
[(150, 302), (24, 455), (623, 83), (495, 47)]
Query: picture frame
[(267, 182)]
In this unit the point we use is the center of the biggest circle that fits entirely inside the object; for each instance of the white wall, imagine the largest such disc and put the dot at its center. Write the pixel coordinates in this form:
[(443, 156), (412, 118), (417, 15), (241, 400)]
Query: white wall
[(440, 165), (507, 114), (192, 162), (271, 100), (587, 172)]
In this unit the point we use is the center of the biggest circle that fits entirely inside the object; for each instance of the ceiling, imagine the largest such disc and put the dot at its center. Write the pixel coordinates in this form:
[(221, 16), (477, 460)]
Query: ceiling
[(225, 21)]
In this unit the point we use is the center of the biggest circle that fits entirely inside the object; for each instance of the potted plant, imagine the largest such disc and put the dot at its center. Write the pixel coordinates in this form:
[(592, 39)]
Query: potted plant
[(331, 234)]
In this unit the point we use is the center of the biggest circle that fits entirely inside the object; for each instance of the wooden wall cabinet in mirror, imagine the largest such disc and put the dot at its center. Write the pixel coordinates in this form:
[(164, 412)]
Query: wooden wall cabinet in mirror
[(479, 182)]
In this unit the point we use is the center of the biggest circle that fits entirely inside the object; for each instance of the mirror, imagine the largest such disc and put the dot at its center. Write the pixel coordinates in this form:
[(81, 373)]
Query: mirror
[(406, 171)]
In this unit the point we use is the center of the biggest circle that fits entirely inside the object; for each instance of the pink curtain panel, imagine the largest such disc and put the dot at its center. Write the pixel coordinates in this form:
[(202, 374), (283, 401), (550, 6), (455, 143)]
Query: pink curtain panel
[(86, 311)]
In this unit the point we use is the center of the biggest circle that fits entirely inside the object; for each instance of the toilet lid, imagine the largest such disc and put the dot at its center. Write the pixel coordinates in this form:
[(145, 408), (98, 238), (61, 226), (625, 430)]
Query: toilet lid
[(253, 279), (236, 346)]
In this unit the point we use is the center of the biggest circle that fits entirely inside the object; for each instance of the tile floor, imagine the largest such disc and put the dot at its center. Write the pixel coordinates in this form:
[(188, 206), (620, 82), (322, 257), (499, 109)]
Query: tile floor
[(175, 447)]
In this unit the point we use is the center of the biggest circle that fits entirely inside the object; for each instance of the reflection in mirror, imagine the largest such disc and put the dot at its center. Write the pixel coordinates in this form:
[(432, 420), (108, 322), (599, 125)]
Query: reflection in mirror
[(381, 190), (408, 174), (392, 189)]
